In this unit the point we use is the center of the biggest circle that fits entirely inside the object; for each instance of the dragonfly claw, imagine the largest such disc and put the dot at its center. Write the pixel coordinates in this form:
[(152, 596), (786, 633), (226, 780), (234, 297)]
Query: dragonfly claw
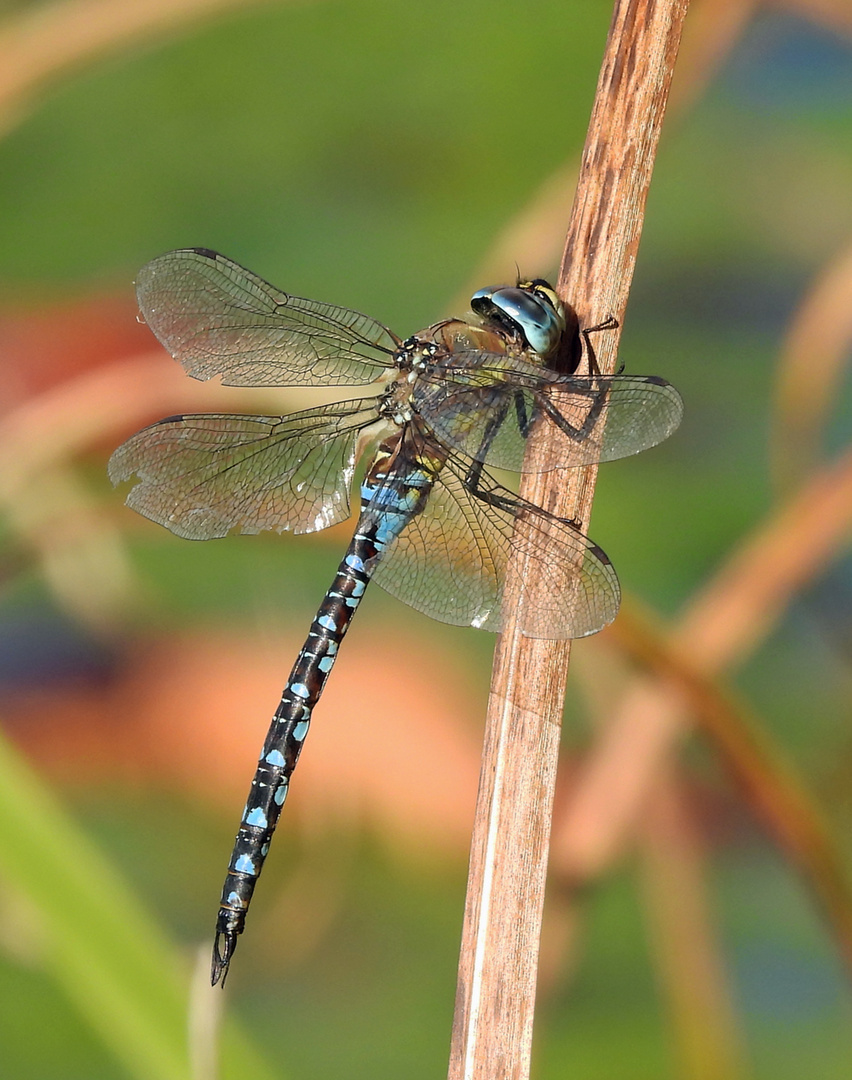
[(223, 950)]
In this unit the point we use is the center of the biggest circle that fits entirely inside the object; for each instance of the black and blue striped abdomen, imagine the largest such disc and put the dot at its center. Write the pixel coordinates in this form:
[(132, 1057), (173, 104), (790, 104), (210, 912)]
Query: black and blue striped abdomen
[(394, 490)]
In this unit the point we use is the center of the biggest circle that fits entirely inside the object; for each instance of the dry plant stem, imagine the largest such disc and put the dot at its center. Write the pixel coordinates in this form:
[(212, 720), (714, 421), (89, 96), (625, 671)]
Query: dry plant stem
[(492, 1029), (205, 1019), (834, 14), (79, 549), (44, 42), (684, 949), (721, 626), (769, 786), (812, 366)]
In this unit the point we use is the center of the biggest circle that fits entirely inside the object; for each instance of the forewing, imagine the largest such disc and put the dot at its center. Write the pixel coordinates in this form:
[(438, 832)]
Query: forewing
[(450, 563), (207, 475), (216, 318), (488, 405)]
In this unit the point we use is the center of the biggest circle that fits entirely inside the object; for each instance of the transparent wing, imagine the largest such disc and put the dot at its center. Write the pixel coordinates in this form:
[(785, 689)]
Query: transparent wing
[(217, 318), (203, 476), (450, 562), (487, 405)]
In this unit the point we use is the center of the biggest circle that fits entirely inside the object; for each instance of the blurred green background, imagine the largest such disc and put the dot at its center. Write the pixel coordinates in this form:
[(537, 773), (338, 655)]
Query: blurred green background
[(370, 154)]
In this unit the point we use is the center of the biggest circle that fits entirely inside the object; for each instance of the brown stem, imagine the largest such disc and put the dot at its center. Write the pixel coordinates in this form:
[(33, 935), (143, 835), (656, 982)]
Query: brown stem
[(492, 1029)]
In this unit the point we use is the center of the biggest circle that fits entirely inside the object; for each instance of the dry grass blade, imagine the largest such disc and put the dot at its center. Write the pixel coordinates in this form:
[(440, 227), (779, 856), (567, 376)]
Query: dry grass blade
[(492, 1030), (532, 239), (46, 41), (835, 14), (103, 404), (205, 1020), (714, 30), (811, 369), (729, 617), (769, 784), (78, 547), (685, 950), (724, 622)]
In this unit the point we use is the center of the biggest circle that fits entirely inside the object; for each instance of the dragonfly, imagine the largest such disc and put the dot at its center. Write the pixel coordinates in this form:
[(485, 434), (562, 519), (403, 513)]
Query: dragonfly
[(436, 528)]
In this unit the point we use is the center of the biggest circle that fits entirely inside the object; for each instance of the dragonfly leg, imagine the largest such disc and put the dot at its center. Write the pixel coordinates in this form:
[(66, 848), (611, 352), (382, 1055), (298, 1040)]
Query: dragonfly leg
[(609, 323), (473, 482), (507, 501), (523, 417), (597, 395)]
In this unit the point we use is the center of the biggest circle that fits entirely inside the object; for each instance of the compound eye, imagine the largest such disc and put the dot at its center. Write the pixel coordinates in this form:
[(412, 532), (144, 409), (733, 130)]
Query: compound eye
[(480, 302), (526, 311), (489, 305)]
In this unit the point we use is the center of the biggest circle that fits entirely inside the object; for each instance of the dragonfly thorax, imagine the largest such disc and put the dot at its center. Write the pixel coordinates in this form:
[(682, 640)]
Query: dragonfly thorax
[(414, 356), (396, 399)]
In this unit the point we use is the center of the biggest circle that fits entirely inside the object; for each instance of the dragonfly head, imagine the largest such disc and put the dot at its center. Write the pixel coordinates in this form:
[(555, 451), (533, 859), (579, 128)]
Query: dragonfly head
[(530, 309)]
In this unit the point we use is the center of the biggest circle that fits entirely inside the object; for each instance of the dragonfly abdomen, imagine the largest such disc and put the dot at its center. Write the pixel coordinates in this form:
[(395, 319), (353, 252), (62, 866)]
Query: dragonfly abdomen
[(397, 486), (284, 742), (389, 500)]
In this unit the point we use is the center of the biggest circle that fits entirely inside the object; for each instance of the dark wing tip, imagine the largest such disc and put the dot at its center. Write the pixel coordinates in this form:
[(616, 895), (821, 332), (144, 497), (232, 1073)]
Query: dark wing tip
[(157, 262), (598, 552), (207, 253)]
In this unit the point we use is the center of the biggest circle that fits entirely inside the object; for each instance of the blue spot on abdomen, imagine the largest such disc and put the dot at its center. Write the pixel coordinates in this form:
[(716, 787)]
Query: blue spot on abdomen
[(257, 817)]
